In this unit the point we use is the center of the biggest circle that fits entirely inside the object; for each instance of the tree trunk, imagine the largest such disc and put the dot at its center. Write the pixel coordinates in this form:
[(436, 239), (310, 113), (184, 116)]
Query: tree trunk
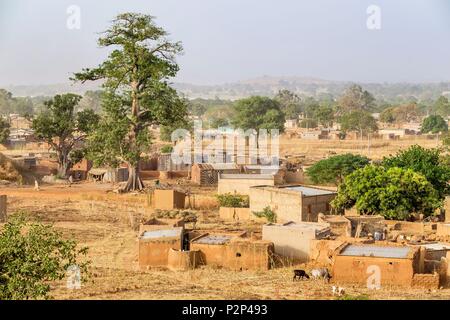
[(63, 163), (134, 182)]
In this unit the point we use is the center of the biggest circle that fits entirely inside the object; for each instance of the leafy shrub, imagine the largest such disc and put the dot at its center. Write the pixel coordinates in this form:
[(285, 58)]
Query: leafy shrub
[(267, 213), (229, 200), (335, 168), (33, 255)]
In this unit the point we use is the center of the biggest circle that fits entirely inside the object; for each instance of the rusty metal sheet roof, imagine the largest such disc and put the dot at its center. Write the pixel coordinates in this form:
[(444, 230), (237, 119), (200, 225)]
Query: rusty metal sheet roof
[(376, 251)]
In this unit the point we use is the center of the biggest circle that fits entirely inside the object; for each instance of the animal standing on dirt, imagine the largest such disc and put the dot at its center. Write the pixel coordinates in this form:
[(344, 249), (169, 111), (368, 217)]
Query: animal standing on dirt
[(320, 273), (300, 274), (338, 291)]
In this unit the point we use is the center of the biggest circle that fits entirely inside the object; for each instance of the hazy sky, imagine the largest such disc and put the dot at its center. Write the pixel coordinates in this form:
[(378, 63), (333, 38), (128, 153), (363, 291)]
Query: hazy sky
[(230, 40)]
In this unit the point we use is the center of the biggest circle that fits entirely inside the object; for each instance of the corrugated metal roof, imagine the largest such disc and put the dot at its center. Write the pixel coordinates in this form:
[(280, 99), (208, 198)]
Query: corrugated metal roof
[(166, 233), (308, 191), (376, 251), (214, 239)]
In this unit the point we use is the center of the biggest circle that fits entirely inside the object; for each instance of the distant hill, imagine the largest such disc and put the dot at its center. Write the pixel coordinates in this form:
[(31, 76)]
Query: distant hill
[(51, 89), (266, 86)]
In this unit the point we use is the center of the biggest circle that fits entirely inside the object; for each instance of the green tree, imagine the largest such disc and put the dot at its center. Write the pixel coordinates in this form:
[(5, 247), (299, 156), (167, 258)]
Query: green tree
[(308, 123), (64, 129), (137, 92), (442, 107), (360, 121), (387, 116), (4, 130), (335, 168), (92, 100), (258, 113), (356, 99), (394, 193), (290, 103), (434, 124), (32, 256), (324, 115), (426, 162)]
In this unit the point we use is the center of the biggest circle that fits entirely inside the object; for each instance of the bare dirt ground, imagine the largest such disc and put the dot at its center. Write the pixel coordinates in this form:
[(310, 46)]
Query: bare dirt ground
[(101, 221)]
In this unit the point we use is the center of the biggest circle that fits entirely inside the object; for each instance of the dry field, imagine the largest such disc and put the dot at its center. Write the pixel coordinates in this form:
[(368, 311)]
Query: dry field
[(318, 149), (105, 222)]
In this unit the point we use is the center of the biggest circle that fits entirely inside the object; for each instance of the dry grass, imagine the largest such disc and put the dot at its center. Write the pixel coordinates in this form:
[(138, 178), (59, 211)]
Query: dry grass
[(318, 149)]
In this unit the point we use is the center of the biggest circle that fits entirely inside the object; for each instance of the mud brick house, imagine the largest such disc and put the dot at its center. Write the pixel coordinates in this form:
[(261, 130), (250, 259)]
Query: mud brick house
[(292, 203), (233, 251), (293, 240), (399, 266), (154, 246)]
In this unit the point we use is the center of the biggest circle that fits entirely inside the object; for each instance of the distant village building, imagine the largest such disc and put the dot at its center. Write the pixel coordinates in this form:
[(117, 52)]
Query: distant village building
[(108, 175), (291, 124), (315, 135)]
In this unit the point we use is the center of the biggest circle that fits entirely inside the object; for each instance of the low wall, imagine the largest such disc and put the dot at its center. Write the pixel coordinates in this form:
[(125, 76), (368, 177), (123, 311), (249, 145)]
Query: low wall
[(323, 251), (182, 260), (425, 281), (443, 229), (235, 214), (295, 177)]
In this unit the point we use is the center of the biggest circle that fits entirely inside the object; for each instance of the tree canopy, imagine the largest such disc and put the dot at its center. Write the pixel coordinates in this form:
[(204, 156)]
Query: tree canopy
[(426, 162), (4, 130), (355, 98), (137, 92), (434, 124), (258, 113), (335, 168), (64, 129), (290, 103), (360, 121), (394, 193)]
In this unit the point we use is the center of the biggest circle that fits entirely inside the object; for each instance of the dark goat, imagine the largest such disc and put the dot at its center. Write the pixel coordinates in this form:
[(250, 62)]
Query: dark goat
[(301, 274)]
